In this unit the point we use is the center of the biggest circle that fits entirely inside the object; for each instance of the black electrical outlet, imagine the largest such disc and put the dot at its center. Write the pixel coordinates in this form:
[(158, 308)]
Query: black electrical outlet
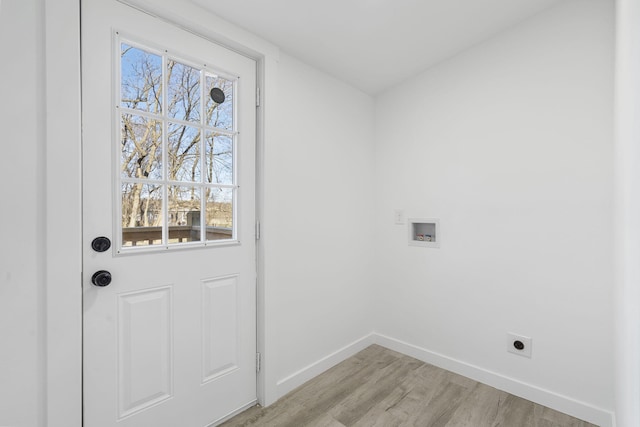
[(519, 345)]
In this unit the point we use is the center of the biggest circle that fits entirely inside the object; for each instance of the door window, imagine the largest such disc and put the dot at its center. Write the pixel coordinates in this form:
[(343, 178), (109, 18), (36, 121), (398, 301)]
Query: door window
[(176, 148)]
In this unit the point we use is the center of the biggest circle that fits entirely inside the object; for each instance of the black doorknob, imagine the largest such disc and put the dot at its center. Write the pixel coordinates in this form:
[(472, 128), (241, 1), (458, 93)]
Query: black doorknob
[(101, 244), (101, 278)]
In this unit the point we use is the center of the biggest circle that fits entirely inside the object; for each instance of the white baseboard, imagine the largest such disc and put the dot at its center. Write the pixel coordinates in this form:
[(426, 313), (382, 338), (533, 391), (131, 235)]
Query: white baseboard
[(300, 377), (565, 404)]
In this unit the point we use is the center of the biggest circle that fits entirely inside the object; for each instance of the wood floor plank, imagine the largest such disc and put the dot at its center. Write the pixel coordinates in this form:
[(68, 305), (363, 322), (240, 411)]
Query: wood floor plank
[(480, 408), (408, 399), (375, 390), (381, 388), (515, 411), (309, 404), (547, 417), (327, 421), (437, 412)]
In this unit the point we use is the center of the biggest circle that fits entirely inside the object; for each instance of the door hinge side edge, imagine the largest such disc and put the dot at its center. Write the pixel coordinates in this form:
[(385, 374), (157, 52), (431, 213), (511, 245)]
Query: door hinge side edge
[(257, 230), (258, 362), (258, 96)]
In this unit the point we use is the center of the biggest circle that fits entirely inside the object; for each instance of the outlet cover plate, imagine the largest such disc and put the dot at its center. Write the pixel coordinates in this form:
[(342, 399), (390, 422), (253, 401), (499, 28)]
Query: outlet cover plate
[(512, 338), (398, 216)]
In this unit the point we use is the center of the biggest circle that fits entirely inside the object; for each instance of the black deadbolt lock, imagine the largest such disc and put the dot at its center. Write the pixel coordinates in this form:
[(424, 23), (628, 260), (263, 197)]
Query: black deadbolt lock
[(101, 244), (519, 345), (101, 278)]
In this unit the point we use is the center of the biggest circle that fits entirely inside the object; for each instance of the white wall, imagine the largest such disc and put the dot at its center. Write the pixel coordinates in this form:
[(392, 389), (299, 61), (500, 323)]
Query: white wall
[(627, 211), (319, 198), (509, 144), (21, 253)]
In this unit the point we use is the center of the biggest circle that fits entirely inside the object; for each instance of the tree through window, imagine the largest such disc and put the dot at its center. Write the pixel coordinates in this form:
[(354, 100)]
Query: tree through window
[(176, 150)]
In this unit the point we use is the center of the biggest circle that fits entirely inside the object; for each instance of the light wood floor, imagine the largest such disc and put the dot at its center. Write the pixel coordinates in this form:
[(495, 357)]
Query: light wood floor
[(381, 388)]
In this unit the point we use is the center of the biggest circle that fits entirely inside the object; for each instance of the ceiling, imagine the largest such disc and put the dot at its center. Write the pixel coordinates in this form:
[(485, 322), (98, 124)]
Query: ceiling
[(374, 44)]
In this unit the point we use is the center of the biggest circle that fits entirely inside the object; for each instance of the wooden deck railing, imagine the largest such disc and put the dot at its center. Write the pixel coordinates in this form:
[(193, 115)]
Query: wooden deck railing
[(133, 236)]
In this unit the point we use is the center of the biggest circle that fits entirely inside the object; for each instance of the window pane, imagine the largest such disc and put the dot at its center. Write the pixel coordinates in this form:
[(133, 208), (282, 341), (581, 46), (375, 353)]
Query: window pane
[(183, 99), (219, 213), (184, 214), (219, 158), (172, 160), (141, 148), (141, 84), (141, 214), (184, 153), (219, 115)]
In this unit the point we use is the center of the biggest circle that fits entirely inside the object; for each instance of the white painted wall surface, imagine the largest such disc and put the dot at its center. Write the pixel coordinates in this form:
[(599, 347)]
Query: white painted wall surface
[(319, 198), (21, 216), (627, 215), (509, 144)]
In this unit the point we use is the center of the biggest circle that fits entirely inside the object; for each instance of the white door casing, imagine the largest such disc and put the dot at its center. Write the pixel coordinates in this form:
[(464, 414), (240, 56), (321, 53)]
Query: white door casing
[(171, 341)]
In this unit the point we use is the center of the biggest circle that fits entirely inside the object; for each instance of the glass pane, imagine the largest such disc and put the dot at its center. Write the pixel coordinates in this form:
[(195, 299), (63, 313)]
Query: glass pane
[(141, 214), (219, 115), (141, 147), (183, 99), (141, 79), (184, 153), (219, 158), (184, 214), (219, 213)]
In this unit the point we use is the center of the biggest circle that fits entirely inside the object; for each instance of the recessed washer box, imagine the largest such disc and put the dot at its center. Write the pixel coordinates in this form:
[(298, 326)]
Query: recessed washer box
[(424, 232)]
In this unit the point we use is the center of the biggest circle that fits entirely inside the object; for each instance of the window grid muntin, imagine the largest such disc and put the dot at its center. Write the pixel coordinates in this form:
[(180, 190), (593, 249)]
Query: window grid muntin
[(159, 117), (164, 118)]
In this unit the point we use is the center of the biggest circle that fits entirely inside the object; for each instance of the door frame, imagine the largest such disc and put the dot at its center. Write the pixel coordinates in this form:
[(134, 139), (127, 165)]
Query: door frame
[(62, 362)]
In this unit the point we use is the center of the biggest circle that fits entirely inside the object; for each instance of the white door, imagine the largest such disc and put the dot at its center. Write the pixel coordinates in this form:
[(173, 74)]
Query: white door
[(169, 179)]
